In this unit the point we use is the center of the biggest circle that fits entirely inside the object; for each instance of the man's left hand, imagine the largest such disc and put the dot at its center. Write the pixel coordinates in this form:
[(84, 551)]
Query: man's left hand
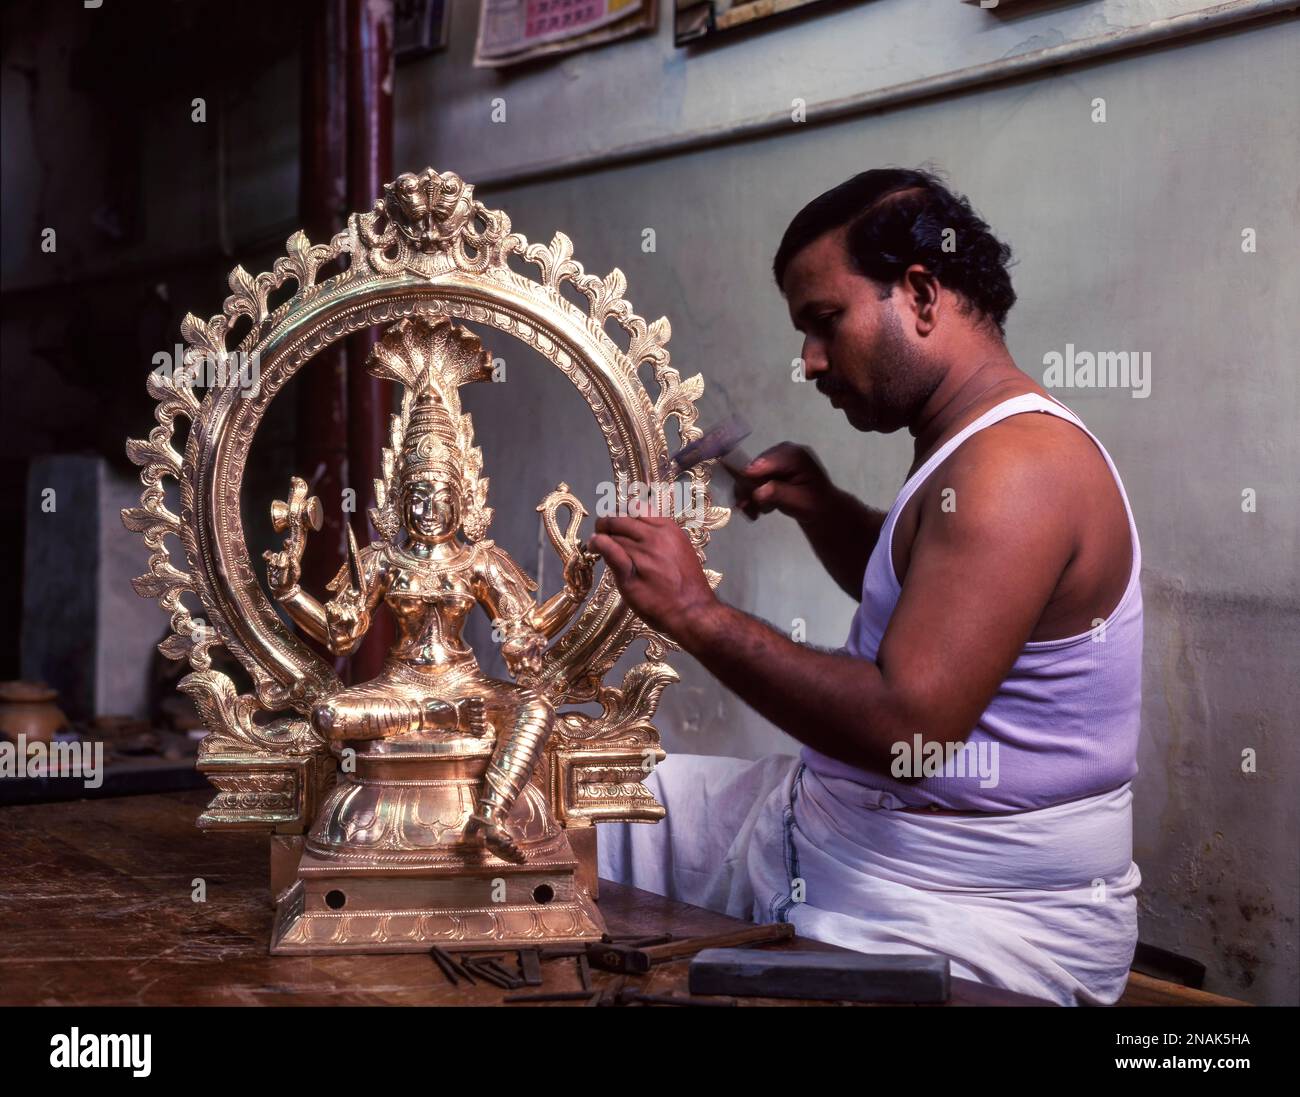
[(656, 569)]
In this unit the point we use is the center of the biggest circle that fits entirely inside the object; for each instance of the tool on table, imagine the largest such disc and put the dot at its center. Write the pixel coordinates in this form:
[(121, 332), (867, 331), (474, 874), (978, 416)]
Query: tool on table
[(491, 969), (553, 996), (637, 940), (825, 976), (630, 960), (628, 954), (530, 966), (560, 951), (448, 966)]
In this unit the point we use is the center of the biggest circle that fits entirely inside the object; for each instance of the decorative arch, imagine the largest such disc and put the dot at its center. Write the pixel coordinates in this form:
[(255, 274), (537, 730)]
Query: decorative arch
[(427, 248)]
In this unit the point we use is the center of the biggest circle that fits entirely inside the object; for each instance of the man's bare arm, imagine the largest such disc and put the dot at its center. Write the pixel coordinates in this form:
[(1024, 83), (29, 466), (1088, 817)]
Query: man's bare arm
[(843, 537), (834, 703), (978, 580)]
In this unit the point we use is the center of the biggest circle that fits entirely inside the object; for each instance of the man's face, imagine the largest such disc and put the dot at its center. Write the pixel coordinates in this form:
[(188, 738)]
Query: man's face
[(856, 346)]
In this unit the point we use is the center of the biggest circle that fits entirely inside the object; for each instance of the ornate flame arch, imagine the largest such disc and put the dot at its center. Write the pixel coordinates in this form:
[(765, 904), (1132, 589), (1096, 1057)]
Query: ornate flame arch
[(419, 251)]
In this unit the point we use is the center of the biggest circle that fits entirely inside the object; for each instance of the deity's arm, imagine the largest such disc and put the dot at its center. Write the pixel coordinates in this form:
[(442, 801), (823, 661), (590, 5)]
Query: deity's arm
[(557, 611), (343, 620), (307, 613), (347, 615), (505, 592)]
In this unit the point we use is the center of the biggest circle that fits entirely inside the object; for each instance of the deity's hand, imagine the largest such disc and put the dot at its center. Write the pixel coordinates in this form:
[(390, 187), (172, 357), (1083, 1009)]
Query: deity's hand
[(472, 716), (346, 618), (283, 572), (523, 651), (578, 572), (292, 518), (437, 715)]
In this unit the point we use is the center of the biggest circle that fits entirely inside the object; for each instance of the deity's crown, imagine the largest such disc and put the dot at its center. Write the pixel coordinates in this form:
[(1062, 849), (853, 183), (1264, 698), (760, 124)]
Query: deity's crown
[(430, 444), (431, 439)]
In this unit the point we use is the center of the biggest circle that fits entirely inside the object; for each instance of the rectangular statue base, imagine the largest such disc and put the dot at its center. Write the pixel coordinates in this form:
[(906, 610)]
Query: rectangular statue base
[(334, 908)]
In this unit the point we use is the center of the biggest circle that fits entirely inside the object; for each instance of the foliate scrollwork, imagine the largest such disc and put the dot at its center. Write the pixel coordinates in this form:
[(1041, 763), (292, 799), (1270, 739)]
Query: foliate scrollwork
[(249, 295), (229, 718), (628, 710)]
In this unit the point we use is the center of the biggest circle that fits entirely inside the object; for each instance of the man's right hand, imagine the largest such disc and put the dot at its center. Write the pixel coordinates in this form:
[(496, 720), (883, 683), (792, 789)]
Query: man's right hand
[(789, 478), (841, 529)]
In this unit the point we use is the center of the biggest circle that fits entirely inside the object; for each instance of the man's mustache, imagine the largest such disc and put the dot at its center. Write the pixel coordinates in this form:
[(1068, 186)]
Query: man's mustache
[(831, 386)]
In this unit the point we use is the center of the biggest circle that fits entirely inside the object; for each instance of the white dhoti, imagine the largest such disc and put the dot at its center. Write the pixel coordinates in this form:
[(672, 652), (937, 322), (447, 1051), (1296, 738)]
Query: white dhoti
[(1041, 902)]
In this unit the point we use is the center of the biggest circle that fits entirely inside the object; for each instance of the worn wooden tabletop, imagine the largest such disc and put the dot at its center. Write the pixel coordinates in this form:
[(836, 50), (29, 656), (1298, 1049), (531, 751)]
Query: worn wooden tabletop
[(97, 908)]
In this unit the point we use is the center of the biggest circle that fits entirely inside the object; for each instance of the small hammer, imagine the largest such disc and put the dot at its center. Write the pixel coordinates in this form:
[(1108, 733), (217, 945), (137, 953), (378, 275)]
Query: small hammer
[(637, 961), (717, 442), (721, 443)]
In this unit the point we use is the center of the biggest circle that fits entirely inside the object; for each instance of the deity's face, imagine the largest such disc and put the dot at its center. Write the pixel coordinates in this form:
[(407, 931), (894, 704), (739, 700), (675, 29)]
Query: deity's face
[(431, 510)]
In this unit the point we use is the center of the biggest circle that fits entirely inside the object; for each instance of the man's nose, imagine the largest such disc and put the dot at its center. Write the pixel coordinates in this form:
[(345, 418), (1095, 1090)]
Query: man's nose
[(814, 360)]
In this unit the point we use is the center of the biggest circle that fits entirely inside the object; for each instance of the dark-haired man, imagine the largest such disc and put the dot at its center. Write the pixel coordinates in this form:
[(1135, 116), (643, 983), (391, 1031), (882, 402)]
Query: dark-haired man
[(964, 786)]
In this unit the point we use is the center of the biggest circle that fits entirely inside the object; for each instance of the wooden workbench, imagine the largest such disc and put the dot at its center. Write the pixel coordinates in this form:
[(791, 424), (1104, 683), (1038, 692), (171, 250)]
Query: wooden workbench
[(96, 909)]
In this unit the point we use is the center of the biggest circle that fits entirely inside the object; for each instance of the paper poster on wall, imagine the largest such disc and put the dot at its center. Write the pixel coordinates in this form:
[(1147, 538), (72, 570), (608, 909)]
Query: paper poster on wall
[(697, 19), (510, 31)]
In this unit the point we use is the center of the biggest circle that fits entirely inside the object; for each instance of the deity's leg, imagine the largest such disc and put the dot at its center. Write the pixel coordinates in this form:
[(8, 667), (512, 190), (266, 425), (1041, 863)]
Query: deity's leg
[(517, 751), (368, 711)]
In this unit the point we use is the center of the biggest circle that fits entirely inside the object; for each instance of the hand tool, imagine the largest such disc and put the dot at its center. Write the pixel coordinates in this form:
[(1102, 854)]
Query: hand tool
[(718, 441), (530, 966), (622, 958)]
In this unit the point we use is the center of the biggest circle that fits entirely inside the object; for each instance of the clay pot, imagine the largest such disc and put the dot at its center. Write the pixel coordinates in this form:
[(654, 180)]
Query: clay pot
[(28, 708)]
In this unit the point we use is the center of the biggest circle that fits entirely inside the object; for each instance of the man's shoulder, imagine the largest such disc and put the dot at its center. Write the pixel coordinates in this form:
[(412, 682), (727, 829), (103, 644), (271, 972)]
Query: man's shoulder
[(1030, 450), (1026, 472)]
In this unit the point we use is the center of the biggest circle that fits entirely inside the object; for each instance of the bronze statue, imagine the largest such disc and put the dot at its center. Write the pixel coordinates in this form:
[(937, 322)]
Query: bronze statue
[(431, 804), (431, 692)]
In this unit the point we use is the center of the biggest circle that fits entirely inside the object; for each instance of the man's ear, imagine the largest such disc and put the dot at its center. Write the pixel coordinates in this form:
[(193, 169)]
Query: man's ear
[(921, 293)]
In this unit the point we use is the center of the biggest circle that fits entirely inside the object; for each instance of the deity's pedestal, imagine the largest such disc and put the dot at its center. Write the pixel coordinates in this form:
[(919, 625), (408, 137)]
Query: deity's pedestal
[(386, 866)]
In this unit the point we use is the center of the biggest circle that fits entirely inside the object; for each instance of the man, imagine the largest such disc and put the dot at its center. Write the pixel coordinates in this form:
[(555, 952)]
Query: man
[(963, 788)]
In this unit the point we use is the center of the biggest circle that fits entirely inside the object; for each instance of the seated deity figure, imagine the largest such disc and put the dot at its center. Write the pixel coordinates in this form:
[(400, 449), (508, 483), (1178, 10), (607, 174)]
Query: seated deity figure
[(430, 567)]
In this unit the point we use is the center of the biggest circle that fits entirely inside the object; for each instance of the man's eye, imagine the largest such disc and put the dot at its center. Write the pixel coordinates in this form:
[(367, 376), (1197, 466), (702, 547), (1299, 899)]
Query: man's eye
[(824, 320)]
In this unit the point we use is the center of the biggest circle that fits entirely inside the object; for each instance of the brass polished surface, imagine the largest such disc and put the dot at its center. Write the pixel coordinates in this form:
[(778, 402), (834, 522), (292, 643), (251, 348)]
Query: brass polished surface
[(432, 801)]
